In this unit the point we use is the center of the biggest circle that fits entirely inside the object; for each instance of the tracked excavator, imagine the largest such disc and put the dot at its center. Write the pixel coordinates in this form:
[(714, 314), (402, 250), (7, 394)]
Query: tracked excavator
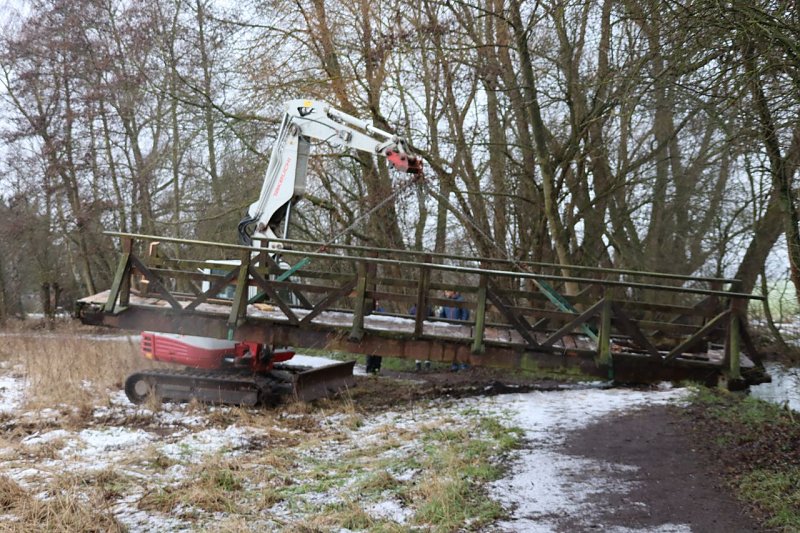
[(251, 373)]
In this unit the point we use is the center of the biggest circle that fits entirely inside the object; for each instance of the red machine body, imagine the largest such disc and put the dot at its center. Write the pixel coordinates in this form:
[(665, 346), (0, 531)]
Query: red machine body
[(210, 354)]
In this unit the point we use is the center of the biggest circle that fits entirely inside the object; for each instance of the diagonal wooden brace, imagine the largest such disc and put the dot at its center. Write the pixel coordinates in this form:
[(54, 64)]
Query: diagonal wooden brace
[(575, 322), (274, 297), (155, 282), (342, 291)]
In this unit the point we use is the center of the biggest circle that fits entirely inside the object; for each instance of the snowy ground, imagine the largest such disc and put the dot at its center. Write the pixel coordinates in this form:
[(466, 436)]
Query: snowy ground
[(547, 486), (293, 468)]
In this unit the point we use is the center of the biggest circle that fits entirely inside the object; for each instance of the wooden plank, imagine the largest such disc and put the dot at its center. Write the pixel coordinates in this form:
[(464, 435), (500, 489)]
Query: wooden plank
[(697, 337), (541, 324), (678, 329), (604, 337), (125, 286), (328, 300), (462, 270), (123, 271), (518, 322), (572, 324), (239, 306), (422, 302), (216, 287), (357, 331), (627, 304), (733, 348)]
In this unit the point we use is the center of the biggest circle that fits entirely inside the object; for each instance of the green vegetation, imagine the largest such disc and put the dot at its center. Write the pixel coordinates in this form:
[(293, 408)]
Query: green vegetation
[(444, 493), (778, 491), (782, 300), (458, 462), (758, 445)]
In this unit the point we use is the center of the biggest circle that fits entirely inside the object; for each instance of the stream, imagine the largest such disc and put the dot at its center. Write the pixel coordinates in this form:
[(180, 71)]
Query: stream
[(785, 386)]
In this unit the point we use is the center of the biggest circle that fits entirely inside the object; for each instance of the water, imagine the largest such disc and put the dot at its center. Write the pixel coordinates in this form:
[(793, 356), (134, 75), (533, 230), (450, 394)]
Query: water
[(785, 386)]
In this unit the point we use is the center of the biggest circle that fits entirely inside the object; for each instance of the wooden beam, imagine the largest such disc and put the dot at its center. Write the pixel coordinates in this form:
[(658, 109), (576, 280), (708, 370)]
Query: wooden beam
[(572, 324), (155, 283), (215, 288), (357, 331), (604, 337), (239, 306), (631, 329), (697, 337), (123, 272), (328, 300), (480, 318), (518, 322), (274, 296), (423, 284), (733, 348)]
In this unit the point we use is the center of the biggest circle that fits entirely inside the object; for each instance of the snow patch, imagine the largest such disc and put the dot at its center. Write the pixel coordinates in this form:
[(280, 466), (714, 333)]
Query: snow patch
[(96, 441), (390, 510), (42, 438), (311, 361), (547, 486), (208, 441), (12, 392)]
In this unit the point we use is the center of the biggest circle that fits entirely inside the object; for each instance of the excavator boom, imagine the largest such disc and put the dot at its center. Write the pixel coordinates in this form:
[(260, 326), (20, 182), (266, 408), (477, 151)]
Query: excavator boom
[(245, 373)]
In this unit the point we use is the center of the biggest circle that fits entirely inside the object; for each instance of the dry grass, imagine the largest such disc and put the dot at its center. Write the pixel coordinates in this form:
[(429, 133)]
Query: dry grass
[(287, 461), (70, 367), (215, 485), (348, 516), (10, 494), (63, 510)]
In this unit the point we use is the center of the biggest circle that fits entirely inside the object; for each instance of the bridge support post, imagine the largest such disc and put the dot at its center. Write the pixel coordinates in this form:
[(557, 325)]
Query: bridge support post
[(239, 306), (604, 338), (121, 286), (733, 342), (362, 306), (422, 296), (480, 317)]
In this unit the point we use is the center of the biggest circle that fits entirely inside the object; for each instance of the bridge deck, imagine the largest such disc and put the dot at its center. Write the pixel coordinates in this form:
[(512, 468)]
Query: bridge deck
[(629, 330)]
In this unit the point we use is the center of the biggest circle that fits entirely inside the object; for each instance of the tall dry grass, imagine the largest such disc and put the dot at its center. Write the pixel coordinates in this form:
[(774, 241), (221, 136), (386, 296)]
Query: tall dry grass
[(67, 365)]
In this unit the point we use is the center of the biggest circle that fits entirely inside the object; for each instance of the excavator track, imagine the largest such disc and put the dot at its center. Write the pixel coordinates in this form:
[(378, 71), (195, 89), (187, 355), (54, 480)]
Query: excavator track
[(239, 387)]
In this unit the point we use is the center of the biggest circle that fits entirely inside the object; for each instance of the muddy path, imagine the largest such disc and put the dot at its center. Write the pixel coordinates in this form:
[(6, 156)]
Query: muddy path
[(674, 480), (619, 460)]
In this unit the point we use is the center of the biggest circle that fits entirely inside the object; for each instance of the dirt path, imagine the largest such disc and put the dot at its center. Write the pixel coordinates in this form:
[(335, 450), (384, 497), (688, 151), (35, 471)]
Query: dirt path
[(599, 460), (674, 486)]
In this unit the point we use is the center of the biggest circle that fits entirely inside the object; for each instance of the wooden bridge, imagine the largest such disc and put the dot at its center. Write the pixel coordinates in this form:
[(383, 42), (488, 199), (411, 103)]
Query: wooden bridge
[(633, 327)]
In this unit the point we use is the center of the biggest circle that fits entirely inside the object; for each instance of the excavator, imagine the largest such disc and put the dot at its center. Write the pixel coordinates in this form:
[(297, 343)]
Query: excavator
[(251, 373)]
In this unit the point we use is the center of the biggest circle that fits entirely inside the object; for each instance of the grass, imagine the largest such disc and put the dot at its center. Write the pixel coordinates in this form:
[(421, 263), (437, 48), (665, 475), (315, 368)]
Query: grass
[(63, 509), (325, 464), (458, 462), (70, 368), (214, 485), (454, 458), (758, 446), (776, 490)]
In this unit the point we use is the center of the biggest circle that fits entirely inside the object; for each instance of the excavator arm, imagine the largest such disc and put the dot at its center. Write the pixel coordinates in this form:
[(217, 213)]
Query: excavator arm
[(285, 179)]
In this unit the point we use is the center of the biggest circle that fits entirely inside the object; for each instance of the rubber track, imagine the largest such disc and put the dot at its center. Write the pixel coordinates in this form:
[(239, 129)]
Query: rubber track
[(218, 386)]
